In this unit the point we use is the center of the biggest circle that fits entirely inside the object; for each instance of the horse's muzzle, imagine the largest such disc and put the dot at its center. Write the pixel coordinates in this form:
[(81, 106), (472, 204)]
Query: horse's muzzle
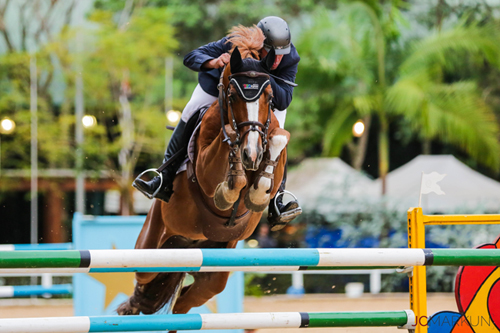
[(251, 158)]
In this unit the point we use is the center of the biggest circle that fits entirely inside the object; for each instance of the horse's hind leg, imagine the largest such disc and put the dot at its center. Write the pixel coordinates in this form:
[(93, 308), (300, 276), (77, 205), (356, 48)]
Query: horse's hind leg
[(205, 285), (150, 295)]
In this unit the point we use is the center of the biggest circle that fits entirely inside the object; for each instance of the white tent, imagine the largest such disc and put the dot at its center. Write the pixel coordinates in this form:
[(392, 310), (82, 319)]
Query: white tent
[(326, 184), (465, 189)]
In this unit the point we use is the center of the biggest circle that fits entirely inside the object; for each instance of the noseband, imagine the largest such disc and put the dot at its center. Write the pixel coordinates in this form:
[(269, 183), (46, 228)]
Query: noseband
[(237, 80)]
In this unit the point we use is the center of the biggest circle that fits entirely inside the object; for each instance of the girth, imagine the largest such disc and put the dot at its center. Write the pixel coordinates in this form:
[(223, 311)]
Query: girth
[(215, 227)]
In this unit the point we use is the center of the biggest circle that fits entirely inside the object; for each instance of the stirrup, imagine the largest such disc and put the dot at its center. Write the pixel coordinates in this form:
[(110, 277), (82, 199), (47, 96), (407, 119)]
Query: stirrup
[(281, 219), (150, 196), (291, 213)]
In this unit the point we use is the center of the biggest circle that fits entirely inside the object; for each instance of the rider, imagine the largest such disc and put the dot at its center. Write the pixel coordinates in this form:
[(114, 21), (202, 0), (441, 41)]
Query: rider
[(209, 61)]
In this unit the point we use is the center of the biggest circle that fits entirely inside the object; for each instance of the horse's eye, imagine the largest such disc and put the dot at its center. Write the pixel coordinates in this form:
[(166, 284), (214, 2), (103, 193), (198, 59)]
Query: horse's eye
[(232, 98)]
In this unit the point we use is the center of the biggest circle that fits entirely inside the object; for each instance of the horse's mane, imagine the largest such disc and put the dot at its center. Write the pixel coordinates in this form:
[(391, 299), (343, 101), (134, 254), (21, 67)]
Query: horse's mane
[(249, 40)]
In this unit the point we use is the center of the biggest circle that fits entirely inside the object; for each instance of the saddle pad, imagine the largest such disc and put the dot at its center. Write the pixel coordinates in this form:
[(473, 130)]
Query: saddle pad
[(192, 142)]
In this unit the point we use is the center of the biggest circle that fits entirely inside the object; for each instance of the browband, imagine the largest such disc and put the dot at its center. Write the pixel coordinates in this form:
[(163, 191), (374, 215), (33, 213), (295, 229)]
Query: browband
[(250, 84), (253, 97)]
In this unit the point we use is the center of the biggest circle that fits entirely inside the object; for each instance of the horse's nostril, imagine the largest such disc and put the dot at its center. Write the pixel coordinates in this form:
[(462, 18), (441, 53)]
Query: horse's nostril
[(246, 156), (259, 159)]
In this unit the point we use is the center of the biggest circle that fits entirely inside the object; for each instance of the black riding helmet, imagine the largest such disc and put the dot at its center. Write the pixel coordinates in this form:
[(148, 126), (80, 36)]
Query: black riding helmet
[(277, 34)]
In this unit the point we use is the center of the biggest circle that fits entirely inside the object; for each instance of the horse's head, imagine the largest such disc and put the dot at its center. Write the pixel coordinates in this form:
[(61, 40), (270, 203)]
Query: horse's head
[(248, 105)]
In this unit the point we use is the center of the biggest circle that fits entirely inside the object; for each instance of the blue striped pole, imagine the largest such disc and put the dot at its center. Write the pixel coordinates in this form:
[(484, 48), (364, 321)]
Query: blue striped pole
[(196, 260), (21, 291), (404, 318)]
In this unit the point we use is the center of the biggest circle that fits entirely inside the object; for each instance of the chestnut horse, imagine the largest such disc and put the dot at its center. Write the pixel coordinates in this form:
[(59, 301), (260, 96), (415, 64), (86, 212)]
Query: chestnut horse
[(239, 153)]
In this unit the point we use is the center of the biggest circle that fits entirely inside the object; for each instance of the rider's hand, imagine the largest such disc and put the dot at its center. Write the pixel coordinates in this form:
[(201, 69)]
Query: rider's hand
[(218, 62)]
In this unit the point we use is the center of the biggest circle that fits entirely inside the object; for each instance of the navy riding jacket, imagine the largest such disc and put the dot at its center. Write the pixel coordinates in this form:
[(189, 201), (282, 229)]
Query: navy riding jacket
[(209, 79)]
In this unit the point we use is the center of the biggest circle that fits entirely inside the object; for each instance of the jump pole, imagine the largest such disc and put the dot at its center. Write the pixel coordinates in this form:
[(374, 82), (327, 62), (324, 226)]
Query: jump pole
[(158, 260), (21, 291), (402, 319), (31, 247)]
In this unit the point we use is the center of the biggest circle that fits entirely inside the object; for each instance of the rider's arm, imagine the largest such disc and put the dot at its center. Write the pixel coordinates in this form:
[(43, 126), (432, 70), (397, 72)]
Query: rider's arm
[(283, 92), (196, 58)]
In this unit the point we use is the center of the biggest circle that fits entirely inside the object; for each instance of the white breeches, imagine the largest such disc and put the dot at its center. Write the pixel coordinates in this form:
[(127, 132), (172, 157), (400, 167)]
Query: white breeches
[(199, 99)]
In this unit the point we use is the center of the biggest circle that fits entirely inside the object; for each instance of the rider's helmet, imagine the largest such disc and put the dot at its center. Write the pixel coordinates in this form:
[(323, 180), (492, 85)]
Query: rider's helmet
[(277, 34)]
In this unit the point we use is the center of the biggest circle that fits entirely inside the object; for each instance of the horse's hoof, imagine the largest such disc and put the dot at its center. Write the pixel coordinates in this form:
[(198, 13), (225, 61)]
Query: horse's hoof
[(125, 309), (253, 206), (219, 200)]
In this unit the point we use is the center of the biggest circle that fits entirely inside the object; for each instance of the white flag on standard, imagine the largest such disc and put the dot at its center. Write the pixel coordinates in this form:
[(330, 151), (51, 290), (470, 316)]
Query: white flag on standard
[(429, 184)]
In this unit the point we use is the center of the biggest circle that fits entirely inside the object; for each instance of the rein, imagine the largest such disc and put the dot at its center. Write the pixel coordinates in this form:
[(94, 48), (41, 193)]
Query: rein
[(255, 126), (233, 221)]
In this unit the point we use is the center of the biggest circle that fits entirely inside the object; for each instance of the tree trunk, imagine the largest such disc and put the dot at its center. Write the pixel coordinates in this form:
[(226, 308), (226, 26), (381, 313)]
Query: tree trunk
[(439, 14), (125, 201), (426, 147), (52, 223), (383, 151), (124, 157)]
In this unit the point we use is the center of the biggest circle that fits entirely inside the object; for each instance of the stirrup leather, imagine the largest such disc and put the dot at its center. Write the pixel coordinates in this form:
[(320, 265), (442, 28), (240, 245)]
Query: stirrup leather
[(150, 196)]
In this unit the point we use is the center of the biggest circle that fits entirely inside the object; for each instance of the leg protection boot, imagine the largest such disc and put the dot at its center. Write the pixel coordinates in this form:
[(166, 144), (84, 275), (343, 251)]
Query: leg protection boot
[(279, 214)]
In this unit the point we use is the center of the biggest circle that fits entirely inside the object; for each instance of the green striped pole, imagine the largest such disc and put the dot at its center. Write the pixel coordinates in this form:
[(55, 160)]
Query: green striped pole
[(358, 319), (403, 319), (41, 259), (465, 257), (193, 260)]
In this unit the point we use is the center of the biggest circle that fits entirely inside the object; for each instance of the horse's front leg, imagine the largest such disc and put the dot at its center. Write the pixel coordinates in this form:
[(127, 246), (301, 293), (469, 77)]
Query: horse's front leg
[(228, 191), (257, 198)]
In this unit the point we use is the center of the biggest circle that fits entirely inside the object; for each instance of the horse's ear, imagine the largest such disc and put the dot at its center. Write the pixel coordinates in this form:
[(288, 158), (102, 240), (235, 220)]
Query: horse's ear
[(268, 60), (235, 61)]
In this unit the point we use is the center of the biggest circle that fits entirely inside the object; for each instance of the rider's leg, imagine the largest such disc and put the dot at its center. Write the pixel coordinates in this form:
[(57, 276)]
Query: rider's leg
[(281, 116), (178, 141), (278, 218)]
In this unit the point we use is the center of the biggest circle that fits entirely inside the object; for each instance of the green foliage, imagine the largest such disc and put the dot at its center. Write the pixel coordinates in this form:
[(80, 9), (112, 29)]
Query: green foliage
[(54, 149), (445, 50), (252, 284), (199, 23), (453, 112), (353, 65), (342, 69), (115, 58), (122, 66)]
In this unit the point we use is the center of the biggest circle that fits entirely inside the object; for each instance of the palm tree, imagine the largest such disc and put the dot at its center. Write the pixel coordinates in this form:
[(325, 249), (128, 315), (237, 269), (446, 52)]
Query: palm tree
[(352, 49), (454, 112)]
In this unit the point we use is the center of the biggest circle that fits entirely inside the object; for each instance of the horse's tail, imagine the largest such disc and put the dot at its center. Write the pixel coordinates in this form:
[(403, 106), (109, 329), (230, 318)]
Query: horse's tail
[(151, 297)]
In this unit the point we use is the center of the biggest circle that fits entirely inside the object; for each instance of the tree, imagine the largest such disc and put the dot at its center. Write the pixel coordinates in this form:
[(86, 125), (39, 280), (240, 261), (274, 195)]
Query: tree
[(123, 72), (360, 71), (453, 112)]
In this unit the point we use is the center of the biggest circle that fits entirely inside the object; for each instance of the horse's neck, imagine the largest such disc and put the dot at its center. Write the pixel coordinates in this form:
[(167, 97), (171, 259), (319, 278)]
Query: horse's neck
[(211, 159)]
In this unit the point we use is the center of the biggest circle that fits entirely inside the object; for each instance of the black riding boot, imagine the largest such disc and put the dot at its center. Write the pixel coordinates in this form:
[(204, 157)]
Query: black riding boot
[(279, 218), (176, 146)]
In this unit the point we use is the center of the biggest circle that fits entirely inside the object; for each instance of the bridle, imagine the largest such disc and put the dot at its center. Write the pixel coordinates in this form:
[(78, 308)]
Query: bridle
[(255, 126)]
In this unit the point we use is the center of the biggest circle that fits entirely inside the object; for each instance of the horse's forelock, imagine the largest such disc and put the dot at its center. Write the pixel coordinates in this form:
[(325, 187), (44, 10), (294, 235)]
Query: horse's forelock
[(249, 40)]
